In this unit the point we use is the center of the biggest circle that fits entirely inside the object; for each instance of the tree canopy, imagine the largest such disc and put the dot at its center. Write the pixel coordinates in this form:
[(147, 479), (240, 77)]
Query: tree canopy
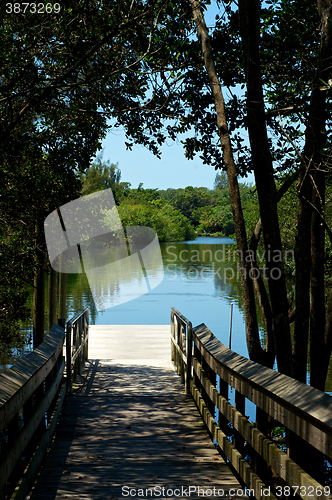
[(252, 94)]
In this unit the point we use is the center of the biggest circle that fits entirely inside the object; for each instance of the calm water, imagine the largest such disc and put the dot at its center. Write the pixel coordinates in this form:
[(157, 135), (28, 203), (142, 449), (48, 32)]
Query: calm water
[(201, 279), (197, 281)]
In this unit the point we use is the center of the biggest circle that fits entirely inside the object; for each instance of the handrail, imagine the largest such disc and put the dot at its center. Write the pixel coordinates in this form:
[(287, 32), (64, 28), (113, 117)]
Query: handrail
[(181, 345), (77, 337), (303, 411), (31, 396)]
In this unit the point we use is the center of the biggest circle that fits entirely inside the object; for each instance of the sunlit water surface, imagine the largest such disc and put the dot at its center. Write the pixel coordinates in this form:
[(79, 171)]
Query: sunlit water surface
[(201, 280)]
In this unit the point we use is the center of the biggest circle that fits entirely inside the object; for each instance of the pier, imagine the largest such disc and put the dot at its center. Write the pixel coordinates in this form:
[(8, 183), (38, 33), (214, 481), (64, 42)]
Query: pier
[(127, 424)]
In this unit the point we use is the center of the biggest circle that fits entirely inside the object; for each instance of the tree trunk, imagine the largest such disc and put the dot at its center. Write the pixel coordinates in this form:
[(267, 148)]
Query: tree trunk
[(255, 350), (302, 278), (249, 15), (62, 299), (325, 358), (317, 288), (260, 289), (52, 298), (38, 300), (315, 143)]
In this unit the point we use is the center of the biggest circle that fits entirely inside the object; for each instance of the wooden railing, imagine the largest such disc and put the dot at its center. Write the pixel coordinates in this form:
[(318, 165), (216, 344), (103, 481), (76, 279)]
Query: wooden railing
[(77, 347), (31, 396), (302, 413), (181, 347)]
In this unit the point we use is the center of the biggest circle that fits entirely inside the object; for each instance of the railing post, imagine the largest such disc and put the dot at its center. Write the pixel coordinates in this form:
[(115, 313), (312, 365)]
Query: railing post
[(298, 450), (198, 356), (68, 358), (210, 373), (76, 344), (177, 338), (223, 390), (189, 356), (86, 331), (172, 337), (261, 467), (181, 346), (80, 337), (181, 330), (240, 405)]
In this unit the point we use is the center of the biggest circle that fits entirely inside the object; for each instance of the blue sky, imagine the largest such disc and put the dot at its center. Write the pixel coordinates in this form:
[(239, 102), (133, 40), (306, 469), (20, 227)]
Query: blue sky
[(173, 170)]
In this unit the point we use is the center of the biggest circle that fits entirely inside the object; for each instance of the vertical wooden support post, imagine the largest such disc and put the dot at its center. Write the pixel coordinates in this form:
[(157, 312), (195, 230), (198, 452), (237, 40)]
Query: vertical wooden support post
[(181, 331), (52, 298), (212, 377), (198, 356), (13, 431), (184, 349), (78, 343), (68, 358), (261, 467), (189, 351), (240, 404), (176, 338), (39, 394), (298, 450), (28, 409), (213, 380), (203, 392), (86, 333), (81, 339), (173, 350), (178, 341), (75, 337), (223, 422), (13, 428), (48, 381)]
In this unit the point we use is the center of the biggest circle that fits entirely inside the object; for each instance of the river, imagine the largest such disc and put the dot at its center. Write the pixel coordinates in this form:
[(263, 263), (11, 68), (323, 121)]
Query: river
[(201, 279), (198, 280)]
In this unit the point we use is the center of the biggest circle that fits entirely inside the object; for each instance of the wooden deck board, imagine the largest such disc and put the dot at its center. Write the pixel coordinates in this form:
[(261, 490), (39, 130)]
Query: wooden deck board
[(129, 423)]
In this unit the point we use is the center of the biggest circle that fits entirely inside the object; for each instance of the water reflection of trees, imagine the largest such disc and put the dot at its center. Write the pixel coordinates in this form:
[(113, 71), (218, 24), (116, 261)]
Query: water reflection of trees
[(184, 257), (218, 259), (226, 275)]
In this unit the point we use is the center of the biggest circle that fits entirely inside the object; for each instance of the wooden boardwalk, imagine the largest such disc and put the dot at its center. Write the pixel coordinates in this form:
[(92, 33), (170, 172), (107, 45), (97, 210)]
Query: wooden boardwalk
[(129, 427)]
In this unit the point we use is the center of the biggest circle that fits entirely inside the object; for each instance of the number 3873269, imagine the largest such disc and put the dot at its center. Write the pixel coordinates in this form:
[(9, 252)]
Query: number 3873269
[(33, 8)]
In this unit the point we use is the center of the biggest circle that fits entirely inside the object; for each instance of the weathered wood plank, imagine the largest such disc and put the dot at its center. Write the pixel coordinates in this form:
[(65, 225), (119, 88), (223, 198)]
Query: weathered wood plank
[(129, 423), (239, 463), (19, 382), (9, 461), (280, 462), (137, 441), (30, 387), (303, 409), (35, 463), (131, 342)]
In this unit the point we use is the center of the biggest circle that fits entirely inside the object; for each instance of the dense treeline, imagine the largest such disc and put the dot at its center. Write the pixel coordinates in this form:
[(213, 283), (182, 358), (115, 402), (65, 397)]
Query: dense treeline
[(251, 93), (176, 214)]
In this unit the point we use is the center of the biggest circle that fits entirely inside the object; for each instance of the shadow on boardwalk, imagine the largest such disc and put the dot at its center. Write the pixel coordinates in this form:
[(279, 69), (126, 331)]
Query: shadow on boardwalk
[(127, 428)]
